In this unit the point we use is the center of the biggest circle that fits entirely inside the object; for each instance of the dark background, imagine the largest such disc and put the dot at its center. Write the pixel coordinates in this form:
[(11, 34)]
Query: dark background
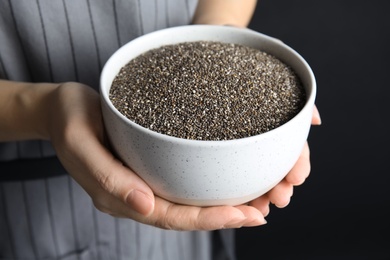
[(342, 210)]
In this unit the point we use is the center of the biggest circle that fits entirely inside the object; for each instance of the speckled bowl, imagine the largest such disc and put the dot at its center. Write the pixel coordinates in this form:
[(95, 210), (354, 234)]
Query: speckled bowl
[(206, 173)]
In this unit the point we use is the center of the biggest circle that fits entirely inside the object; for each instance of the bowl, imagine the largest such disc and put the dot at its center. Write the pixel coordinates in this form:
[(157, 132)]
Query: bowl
[(208, 173)]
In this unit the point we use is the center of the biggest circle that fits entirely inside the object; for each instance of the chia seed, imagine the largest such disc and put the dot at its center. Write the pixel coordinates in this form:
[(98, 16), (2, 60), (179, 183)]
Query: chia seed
[(207, 91)]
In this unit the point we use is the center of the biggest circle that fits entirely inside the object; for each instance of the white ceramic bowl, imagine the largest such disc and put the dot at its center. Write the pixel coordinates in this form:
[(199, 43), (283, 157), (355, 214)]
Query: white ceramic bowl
[(206, 173)]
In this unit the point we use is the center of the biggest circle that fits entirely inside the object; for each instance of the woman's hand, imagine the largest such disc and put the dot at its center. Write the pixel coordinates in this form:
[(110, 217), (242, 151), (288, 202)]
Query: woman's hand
[(238, 13), (69, 115), (76, 131), (281, 194)]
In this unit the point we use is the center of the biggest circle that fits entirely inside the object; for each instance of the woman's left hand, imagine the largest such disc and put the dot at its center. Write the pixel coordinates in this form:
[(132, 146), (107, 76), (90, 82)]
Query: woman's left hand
[(281, 194)]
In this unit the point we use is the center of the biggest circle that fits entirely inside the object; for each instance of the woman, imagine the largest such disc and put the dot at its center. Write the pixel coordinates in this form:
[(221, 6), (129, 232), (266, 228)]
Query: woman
[(58, 176)]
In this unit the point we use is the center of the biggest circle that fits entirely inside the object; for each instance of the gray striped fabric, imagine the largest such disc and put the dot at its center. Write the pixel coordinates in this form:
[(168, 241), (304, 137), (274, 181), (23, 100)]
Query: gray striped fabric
[(53, 218), (70, 40)]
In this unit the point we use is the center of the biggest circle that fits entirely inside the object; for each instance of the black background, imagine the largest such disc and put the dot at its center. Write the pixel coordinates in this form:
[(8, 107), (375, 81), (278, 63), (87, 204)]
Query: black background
[(342, 210)]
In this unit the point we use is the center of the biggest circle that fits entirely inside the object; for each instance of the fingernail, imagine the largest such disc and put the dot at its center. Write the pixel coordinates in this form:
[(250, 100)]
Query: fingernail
[(258, 221), (140, 202), (235, 223)]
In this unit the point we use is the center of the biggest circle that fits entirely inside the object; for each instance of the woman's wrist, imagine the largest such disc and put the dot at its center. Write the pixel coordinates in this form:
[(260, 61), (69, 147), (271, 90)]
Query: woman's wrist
[(224, 12), (24, 110)]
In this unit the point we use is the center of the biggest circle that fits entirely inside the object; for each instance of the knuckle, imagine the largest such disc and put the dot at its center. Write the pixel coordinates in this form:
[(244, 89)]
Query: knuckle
[(112, 181), (106, 181), (165, 221)]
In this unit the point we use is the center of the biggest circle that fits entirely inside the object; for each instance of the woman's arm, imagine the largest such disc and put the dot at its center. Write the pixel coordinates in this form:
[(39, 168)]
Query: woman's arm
[(224, 12), (23, 110)]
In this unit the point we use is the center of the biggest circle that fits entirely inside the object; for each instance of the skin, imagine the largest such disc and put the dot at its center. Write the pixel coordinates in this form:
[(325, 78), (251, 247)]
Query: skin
[(224, 12), (68, 114)]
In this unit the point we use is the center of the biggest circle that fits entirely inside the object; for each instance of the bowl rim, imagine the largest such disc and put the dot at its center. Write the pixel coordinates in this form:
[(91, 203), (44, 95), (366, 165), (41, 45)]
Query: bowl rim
[(310, 95)]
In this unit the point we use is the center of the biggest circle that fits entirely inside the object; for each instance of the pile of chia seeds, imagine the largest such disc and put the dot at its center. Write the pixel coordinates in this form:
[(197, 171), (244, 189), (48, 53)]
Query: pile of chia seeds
[(207, 91)]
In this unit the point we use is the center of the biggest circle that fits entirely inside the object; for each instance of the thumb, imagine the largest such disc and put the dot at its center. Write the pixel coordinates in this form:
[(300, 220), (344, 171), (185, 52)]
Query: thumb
[(126, 185), (106, 177)]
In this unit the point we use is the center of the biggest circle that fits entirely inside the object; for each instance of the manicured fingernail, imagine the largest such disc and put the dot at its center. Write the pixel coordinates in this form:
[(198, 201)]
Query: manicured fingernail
[(140, 202)]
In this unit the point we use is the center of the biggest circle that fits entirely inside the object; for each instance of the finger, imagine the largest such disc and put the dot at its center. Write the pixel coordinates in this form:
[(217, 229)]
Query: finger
[(123, 183), (254, 217), (181, 217), (281, 194), (79, 147), (301, 169), (172, 216), (103, 171), (109, 204), (262, 204), (316, 118)]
